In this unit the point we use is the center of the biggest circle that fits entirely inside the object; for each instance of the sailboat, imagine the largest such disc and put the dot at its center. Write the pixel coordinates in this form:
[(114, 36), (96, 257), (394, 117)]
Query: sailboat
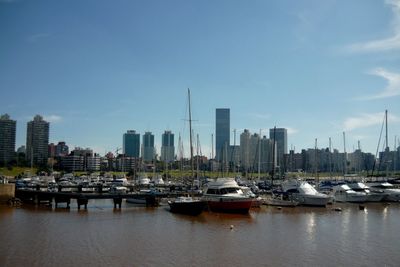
[(187, 204)]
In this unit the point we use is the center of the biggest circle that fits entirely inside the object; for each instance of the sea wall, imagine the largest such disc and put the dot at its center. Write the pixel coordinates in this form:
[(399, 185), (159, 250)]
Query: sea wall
[(7, 191)]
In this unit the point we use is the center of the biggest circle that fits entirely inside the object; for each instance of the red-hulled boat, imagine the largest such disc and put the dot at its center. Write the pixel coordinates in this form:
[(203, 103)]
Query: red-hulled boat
[(225, 195)]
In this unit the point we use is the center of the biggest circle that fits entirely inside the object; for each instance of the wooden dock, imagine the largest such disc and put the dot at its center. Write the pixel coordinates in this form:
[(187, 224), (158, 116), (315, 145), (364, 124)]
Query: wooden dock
[(38, 196)]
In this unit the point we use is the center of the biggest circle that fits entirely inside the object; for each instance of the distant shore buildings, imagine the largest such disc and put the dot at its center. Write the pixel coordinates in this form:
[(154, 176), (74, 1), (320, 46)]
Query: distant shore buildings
[(252, 152)]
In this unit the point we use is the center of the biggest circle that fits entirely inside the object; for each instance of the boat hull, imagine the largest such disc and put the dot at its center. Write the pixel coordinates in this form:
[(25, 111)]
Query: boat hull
[(227, 205), (375, 197), (140, 201), (351, 198), (189, 208), (280, 202), (311, 200)]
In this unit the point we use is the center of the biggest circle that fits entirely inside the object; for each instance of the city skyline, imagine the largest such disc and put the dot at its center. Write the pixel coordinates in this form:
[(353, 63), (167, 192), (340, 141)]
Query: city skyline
[(309, 67)]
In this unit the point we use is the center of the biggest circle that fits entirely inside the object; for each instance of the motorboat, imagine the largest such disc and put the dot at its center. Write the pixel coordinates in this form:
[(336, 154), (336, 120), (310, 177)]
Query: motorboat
[(391, 193), (280, 200), (225, 195), (304, 193), (343, 193), (372, 196), (187, 205)]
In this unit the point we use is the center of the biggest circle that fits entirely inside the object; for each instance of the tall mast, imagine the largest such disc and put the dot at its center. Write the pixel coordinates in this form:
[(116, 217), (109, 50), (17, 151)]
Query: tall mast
[(259, 156), (330, 158), (316, 162), (394, 153), (190, 135), (387, 145), (234, 151), (344, 154), (212, 146), (197, 157)]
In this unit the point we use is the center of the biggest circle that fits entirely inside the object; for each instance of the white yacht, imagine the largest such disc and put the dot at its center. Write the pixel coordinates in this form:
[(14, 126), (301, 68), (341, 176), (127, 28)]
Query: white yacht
[(391, 193), (143, 179), (304, 193), (225, 195), (343, 193), (372, 196)]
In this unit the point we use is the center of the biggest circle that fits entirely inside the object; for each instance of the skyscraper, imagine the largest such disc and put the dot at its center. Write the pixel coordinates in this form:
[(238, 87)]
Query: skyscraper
[(37, 140), (131, 144), (7, 139), (281, 143), (167, 147), (148, 147), (222, 132), (245, 149)]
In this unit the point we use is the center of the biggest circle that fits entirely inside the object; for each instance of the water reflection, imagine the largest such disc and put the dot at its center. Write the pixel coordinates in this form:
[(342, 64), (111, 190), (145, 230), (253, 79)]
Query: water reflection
[(140, 236)]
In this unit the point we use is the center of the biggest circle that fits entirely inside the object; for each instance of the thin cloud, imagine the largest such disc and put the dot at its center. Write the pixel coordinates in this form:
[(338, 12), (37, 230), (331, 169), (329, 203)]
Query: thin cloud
[(53, 118), (291, 131), (367, 120), (392, 88), (386, 44)]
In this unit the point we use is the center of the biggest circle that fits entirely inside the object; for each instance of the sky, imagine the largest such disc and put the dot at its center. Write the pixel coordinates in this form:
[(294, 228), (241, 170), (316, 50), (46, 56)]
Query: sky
[(97, 68)]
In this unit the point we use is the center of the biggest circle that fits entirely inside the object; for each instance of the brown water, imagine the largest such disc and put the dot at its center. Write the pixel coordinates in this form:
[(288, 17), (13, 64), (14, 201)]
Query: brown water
[(139, 236)]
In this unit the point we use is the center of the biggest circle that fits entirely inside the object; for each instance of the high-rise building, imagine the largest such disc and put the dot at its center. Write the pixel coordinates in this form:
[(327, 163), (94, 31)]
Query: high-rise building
[(222, 132), (255, 155), (280, 135), (37, 141), (266, 154), (131, 144), (148, 153), (167, 147), (61, 149), (7, 139), (245, 149)]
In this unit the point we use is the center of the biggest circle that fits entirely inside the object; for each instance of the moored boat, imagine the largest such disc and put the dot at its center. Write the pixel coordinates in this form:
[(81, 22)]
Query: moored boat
[(280, 201), (391, 193), (304, 193), (225, 195), (187, 205), (343, 193), (372, 196)]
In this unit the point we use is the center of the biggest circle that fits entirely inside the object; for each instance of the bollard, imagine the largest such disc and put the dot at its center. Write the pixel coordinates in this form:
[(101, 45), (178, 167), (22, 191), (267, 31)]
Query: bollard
[(117, 201)]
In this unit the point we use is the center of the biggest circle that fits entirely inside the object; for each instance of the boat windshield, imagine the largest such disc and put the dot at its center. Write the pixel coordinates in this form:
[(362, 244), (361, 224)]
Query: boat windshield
[(223, 191), (229, 190)]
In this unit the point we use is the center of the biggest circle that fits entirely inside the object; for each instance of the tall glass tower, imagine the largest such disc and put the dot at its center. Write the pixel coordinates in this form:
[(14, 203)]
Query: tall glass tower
[(7, 139), (148, 147), (37, 141), (167, 147), (222, 132), (131, 144), (281, 143)]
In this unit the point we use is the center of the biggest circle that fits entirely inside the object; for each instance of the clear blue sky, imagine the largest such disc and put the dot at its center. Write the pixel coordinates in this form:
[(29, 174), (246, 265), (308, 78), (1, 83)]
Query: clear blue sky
[(97, 68)]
